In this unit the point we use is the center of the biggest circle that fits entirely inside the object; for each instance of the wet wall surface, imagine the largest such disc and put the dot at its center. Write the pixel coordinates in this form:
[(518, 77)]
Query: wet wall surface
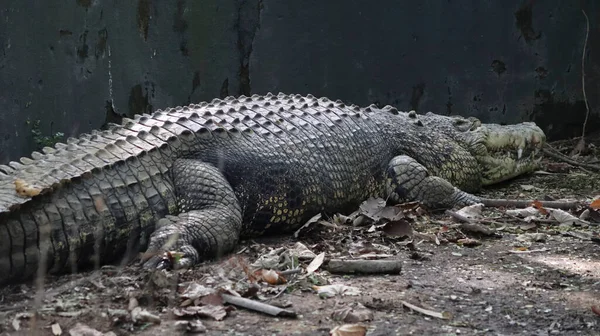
[(78, 65)]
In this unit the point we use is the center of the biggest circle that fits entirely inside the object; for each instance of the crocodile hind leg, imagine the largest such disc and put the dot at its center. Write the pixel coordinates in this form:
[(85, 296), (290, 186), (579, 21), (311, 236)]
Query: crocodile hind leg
[(410, 180), (210, 218)]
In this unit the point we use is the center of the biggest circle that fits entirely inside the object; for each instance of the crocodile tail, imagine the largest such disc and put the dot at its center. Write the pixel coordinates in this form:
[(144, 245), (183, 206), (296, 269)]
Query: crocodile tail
[(53, 166)]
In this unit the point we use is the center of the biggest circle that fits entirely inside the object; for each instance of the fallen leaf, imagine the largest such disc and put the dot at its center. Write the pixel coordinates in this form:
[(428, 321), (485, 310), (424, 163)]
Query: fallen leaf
[(315, 263), (272, 277), (527, 187), (349, 330), (215, 312), (564, 217), (302, 252), (376, 210), (268, 260), (596, 310), (193, 290), (56, 330), (25, 189), (216, 299), (538, 205), (471, 211), (442, 315), (524, 212), (194, 326), (308, 223), (82, 330), (527, 226), (595, 204), (16, 322), (532, 237), (138, 314), (469, 242), (352, 315), (328, 291), (398, 228)]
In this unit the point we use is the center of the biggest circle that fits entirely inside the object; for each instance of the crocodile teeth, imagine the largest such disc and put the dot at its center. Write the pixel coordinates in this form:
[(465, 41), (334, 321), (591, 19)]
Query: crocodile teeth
[(519, 153)]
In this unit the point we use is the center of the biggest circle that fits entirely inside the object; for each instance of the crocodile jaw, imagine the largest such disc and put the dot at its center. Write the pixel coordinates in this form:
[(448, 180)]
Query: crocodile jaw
[(504, 152)]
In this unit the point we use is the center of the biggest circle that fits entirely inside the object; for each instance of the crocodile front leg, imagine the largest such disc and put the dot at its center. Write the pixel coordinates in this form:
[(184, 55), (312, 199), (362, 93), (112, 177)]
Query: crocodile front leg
[(410, 180), (210, 218)]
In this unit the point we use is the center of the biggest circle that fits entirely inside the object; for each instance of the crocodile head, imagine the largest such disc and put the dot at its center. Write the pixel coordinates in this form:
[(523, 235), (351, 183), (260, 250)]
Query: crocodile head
[(502, 151)]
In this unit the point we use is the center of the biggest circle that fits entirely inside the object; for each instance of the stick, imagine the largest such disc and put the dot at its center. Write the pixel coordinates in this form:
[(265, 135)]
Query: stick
[(470, 225), (365, 266), (257, 306), (587, 107), (548, 150), (498, 202)]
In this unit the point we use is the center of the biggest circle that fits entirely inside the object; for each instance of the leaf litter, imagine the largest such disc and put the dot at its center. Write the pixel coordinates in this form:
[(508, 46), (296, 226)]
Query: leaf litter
[(262, 277)]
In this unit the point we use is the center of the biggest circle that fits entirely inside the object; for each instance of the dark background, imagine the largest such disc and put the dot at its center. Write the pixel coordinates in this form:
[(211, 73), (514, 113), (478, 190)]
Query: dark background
[(76, 65)]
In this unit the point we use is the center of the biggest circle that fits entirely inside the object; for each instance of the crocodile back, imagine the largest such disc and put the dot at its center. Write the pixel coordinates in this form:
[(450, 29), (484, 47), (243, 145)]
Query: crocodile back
[(308, 122)]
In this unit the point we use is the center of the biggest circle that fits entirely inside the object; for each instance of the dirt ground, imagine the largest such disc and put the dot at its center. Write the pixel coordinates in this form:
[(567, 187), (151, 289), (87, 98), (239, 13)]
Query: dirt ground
[(516, 276)]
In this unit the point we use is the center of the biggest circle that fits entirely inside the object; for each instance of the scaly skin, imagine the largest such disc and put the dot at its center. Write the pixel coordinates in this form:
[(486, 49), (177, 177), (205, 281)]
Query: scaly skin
[(196, 178)]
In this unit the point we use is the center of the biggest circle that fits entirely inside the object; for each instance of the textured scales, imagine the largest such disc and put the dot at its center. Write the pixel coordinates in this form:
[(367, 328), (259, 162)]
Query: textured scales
[(208, 173)]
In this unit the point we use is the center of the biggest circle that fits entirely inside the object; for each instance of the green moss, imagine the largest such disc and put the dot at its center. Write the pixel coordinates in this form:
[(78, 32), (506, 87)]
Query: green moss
[(40, 139)]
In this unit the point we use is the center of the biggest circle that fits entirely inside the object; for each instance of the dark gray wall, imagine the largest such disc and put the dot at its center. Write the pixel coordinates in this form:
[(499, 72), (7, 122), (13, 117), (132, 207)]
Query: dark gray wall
[(77, 65)]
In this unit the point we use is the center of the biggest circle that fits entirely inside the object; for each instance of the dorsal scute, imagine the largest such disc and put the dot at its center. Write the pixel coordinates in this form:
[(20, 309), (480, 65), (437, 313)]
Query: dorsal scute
[(161, 130)]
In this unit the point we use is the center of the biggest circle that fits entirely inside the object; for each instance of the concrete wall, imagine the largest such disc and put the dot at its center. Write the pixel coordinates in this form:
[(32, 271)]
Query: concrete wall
[(84, 63)]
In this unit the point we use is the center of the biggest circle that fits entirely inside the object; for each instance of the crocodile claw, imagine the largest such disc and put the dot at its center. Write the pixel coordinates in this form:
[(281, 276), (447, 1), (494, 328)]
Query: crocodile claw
[(169, 260)]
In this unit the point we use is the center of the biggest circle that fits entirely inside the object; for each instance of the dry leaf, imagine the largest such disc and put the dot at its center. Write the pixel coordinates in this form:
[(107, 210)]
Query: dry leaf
[(315, 264), (525, 212), (193, 327), (527, 187), (271, 277), (398, 228), (349, 330), (442, 315), (138, 314), (328, 291), (564, 217), (82, 330), (595, 204), (16, 322), (532, 237), (193, 290), (351, 315), (302, 252), (538, 205), (56, 330), (215, 312), (471, 211), (308, 223), (25, 190), (469, 242)]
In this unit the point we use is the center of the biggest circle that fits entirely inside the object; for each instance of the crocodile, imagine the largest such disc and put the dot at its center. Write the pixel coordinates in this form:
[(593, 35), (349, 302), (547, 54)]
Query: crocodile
[(197, 178)]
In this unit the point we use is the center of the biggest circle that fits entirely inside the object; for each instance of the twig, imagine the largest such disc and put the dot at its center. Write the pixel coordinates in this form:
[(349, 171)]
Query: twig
[(470, 225), (527, 251), (587, 107), (442, 315), (498, 202), (291, 271), (365, 266), (257, 306), (548, 150)]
